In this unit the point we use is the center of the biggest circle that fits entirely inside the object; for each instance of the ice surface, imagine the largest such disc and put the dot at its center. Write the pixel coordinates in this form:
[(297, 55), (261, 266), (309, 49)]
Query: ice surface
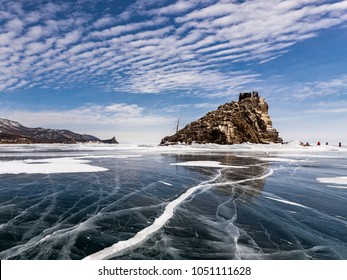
[(276, 159), (110, 156), (148, 231), (143, 206)]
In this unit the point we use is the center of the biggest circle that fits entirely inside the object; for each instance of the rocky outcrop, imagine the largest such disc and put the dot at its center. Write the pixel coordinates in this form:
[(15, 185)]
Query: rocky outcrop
[(232, 123), (110, 141), (12, 132)]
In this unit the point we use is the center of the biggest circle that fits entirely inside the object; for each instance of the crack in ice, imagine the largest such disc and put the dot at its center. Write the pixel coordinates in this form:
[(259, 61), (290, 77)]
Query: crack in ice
[(145, 233)]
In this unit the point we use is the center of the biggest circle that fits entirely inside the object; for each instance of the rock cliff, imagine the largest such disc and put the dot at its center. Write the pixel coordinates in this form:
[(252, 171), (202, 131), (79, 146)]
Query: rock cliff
[(232, 123), (12, 132)]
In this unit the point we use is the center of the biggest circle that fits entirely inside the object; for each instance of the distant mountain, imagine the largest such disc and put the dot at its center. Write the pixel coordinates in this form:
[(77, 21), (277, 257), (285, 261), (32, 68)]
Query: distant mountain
[(12, 132), (232, 123)]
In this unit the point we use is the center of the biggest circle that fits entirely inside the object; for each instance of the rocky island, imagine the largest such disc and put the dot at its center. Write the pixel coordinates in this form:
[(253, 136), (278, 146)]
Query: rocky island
[(232, 123), (12, 132)]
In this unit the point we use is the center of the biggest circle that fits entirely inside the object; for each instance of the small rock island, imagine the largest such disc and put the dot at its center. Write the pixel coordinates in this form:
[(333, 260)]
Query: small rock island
[(232, 123)]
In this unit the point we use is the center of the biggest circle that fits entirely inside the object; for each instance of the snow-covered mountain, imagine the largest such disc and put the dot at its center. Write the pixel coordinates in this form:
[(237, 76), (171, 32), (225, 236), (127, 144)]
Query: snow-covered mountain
[(12, 132)]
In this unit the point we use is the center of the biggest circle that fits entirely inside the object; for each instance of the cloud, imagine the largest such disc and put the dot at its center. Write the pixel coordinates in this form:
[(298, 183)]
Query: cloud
[(104, 21), (212, 11), (120, 29), (118, 113), (6, 39), (35, 32), (119, 119), (38, 47), (8, 83), (15, 25), (328, 111), (176, 8), (180, 107), (69, 38), (124, 109), (336, 86), (153, 46)]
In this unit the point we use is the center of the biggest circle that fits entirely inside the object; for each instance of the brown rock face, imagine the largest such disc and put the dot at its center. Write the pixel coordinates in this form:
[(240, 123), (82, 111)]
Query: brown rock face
[(232, 123)]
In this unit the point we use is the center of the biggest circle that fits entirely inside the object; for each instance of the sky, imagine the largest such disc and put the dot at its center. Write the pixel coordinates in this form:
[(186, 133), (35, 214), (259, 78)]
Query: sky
[(130, 69)]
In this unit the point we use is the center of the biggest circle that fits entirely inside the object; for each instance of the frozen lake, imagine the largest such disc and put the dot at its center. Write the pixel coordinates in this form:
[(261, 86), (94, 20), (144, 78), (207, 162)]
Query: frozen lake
[(182, 202)]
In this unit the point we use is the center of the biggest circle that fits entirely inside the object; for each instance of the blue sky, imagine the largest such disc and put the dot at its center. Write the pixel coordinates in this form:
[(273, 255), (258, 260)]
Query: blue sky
[(130, 68)]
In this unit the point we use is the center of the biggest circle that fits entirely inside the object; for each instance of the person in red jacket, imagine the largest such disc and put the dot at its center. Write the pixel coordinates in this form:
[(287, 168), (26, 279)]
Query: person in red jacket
[(318, 143)]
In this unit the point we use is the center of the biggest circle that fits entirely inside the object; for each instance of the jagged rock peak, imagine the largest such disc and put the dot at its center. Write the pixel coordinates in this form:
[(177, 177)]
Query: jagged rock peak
[(232, 123)]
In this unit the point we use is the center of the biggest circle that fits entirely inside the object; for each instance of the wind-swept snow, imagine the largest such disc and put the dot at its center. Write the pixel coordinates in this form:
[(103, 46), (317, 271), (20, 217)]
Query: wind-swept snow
[(333, 180), (48, 166)]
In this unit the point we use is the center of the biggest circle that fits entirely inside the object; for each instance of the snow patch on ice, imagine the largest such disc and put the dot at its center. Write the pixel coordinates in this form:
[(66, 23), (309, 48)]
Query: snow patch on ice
[(205, 163), (333, 180), (48, 166)]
